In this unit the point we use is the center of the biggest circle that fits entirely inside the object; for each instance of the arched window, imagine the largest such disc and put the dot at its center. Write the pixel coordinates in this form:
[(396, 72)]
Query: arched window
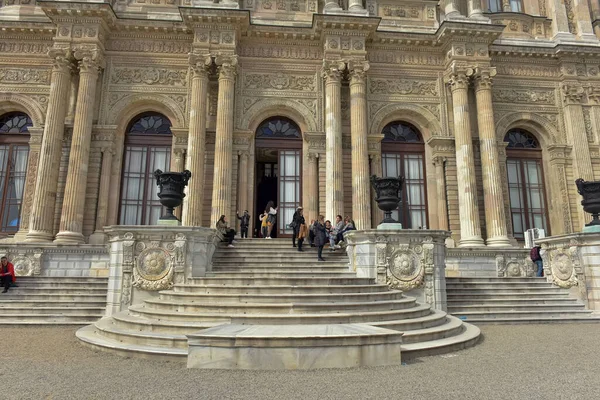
[(14, 151), (403, 153), (278, 127), (147, 148), (525, 183)]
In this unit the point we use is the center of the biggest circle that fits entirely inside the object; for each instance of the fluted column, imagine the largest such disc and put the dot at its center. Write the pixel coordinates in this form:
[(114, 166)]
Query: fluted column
[(312, 205), (355, 5), (177, 165), (495, 218), (475, 10), (442, 206), (470, 228), (334, 173), (71, 219), (361, 187), (243, 174), (221, 199), (98, 236), (331, 5), (35, 141), (193, 204), (44, 198), (376, 169)]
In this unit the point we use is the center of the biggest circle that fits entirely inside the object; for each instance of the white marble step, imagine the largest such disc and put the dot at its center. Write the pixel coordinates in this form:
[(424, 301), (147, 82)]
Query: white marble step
[(538, 319), (467, 338), (470, 296), (507, 301), (283, 274), (279, 289), (495, 280), (452, 327), (280, 297), (278, 269), (23, 303), (28, 290), (16, 309), (532, 307), (468, 315), (279, 280), (50, 297)]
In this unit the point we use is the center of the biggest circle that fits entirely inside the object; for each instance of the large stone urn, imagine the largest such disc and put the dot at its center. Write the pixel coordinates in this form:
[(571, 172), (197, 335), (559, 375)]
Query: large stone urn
[(389, 193), (171, 185), (590, 191)]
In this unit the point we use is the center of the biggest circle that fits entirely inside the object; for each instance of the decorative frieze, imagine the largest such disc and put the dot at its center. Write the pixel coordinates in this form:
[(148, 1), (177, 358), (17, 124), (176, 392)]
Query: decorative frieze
[(284, 52), (25, 47), (526, 96), (279, 81), (149, 76), (519, 69), (587, 122), (150, 46), (403, 87), (385, 56), (25, 75)]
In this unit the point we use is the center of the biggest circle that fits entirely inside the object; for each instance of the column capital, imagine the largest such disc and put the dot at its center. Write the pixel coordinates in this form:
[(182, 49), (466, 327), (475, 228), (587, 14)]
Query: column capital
[(89, 61), (573, 93), (200, 64), (459, 79), (244, 154), (332, 70), (312, 157), (227, 65), (358, 71), (61, 60), (439, 160), (483, 78)]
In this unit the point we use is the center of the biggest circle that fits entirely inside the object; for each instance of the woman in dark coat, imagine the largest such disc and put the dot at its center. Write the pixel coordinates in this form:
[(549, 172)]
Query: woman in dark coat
[(297, 221), (320, 236)]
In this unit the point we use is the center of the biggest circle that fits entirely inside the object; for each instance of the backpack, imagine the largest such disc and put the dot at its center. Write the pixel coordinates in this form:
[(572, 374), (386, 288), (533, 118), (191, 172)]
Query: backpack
[(534, 254)]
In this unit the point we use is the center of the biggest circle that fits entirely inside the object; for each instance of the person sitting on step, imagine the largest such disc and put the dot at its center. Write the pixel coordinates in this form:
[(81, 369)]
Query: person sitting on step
[(348, 226), (225, 230), (7, 273)]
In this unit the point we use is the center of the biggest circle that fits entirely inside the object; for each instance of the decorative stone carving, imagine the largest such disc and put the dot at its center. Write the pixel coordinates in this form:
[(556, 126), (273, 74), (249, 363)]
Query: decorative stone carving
[(280, 81), (403, 87), (27, 261), (587, 121), (25, 75), (153, 270), (509, 265), (527, 96), (561, 264), (149, 76), (573, 93), (407, 268)]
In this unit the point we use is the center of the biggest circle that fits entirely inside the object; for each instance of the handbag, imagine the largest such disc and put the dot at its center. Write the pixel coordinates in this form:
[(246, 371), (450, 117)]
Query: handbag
[(303, 232)]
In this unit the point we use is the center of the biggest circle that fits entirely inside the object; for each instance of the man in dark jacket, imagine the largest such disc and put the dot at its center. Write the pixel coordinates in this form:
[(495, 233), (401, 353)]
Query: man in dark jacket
[(244, 223), (7, 273), (535, 256)]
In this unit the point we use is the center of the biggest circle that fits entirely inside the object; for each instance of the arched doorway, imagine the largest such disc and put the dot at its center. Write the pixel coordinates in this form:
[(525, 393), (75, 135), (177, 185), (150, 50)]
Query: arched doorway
[(14, 152), (525, 183), (403, 154), (148, 140), (278, 155)]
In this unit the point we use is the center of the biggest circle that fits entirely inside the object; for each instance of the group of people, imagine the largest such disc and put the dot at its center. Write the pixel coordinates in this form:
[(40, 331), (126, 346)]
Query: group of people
[(267, 220)]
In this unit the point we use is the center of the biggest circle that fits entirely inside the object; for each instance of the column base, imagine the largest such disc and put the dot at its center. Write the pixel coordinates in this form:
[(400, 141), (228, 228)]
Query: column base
[(67, 237), (97, 238), (20, 236), (39, 237), (471, 242), (500, 241)]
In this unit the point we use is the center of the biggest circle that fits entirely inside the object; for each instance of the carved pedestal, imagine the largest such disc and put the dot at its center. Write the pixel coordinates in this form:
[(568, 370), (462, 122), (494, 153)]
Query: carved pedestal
[(409, 260), (573, 261), (146, 259)]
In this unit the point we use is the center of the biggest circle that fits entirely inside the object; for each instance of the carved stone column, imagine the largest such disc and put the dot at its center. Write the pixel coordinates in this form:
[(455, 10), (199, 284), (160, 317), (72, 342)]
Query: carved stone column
[(44, 198), (177, 165), (475, 10), (495, 218), (221, 199), (574, 96), (243, 189), (331, 5), (193, 204), (334, 170), (361, 187), (355, 5), (376, 169), (451, 9), (71, 220), (470, 228), (442, 206), (312, 176), (98, 237), (33, 159)]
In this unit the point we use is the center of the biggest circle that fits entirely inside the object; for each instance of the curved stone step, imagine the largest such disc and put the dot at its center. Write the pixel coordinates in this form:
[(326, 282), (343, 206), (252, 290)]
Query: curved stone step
[(456, 296), (279, 289), (37, 304), (107, 328), (467, 316), (282, 308), (278, 280), (55, 290), (283, 274), (125, 321), (451, 327), (279, 269), (536, 320), (531, 307), (434, 318), (467, 302), (467, 338), (281, 297), (52, 297), (15, 309)]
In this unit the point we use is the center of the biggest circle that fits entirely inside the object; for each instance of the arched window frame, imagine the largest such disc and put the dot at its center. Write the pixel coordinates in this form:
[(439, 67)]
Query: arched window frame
[(524, 164), (14, 155), (144, 152), (407, 147)]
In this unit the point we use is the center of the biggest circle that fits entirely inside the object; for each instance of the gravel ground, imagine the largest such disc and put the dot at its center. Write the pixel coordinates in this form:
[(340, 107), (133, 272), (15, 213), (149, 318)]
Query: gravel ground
[(512, 362)]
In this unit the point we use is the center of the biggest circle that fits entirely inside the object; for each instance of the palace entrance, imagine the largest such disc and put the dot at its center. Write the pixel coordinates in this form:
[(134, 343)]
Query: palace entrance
[(278, 155)]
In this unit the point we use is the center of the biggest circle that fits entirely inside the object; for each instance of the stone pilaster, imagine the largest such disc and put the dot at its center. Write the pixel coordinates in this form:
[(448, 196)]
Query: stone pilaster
[(221, 199), (361, 187), (35, 141), (574, 96), (193, 204), (495, 218), (334, 175), (442, 206), (312, 193), (376, 169), (98, 237), (44, 198), (470, 228), (71, 221), (243, 181)]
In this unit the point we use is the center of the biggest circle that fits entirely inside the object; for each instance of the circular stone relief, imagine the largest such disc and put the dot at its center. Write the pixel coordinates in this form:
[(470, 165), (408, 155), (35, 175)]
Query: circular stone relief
[(513, 269), (23, 266), (562, 268), (153, 264), (404, 266)]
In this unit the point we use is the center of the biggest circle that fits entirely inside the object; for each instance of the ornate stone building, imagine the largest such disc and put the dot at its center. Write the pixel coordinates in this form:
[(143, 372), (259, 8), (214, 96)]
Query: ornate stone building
[(490, 110)]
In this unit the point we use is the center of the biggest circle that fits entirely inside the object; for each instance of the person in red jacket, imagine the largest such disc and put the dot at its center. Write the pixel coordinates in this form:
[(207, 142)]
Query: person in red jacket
[(7, 273)]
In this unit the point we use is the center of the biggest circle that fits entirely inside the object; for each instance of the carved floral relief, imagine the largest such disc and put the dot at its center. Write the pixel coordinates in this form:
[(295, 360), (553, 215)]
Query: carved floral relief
[(149, 76)]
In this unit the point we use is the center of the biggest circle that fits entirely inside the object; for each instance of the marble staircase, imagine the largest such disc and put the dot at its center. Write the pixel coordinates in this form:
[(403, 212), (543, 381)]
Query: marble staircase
[(513, 301), (267, 283), (54, 301)]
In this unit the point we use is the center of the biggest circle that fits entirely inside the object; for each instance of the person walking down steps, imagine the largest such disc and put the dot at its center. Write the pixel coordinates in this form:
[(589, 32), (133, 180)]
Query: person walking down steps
[(298, 224), (320, 236), (271, 217), (244, 223)]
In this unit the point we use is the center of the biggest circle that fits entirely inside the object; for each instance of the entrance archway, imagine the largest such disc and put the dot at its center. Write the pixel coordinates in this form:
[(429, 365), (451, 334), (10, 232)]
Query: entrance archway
[(278, 157)]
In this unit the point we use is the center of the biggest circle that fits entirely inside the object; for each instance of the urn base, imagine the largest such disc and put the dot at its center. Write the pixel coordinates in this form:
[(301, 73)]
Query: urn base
[(169, 222), (389, 226)]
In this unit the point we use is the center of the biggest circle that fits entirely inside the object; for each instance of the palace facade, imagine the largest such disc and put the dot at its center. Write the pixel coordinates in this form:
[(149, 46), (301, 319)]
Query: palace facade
[(490, 110)]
